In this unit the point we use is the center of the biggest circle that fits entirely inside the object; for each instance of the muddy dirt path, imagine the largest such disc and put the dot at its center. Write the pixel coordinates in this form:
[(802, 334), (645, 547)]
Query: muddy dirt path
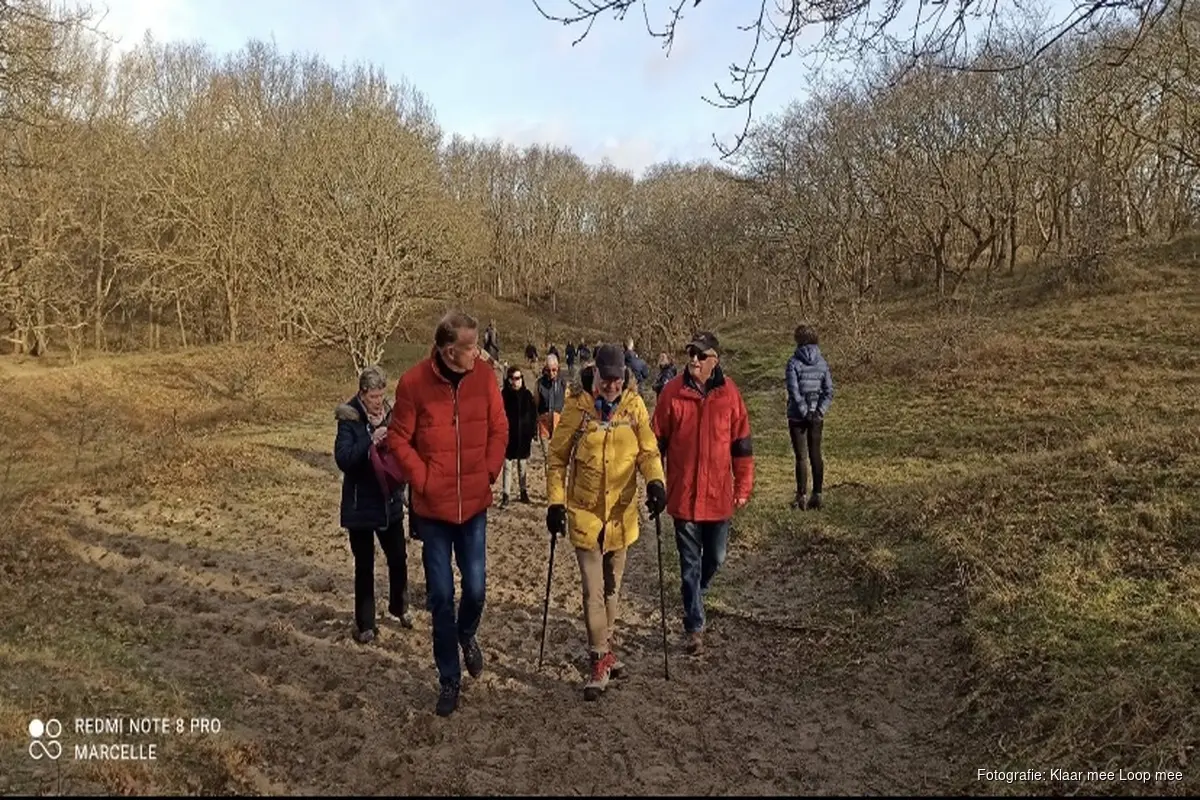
[(254, 582)]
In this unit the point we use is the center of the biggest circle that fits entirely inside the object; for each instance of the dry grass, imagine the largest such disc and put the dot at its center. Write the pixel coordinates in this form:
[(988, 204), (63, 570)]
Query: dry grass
[(1045, 458), (124, 426)]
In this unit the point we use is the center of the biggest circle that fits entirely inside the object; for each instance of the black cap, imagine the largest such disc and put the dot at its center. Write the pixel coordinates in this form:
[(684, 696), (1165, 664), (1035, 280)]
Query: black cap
[(703, 340), (610, 362)]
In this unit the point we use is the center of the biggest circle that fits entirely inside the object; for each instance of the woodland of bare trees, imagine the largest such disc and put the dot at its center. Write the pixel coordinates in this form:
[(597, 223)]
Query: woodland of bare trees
[(264, 196)]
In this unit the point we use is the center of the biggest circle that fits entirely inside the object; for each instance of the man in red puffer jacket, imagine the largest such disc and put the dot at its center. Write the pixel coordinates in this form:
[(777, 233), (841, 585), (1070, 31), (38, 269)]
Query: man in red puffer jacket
[(449, 432), (703, 431)]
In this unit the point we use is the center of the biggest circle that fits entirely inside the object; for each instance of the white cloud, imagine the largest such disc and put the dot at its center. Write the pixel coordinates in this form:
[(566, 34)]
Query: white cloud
[(633, 153), (524, 132), (126, 21)]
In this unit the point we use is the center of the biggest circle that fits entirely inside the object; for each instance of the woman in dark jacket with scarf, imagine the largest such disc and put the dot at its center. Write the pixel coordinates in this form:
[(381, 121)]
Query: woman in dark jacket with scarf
[(371, 506), (521, 410)]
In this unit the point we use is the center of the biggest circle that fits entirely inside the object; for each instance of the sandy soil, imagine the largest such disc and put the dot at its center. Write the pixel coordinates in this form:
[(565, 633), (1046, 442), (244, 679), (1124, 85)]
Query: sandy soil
[(251, 583)]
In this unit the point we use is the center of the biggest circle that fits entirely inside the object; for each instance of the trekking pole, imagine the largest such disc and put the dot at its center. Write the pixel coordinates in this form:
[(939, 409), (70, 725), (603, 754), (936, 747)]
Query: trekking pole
[(546, 605), (662, 595)]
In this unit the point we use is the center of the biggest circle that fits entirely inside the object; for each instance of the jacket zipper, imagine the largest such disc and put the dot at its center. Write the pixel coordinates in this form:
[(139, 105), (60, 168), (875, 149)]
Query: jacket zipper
[(356, 497), (700, 438), (457, 454), (604, 480)]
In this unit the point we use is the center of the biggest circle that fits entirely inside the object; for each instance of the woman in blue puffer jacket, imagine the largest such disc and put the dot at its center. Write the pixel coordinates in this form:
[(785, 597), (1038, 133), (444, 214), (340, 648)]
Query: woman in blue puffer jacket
[(810, 393)]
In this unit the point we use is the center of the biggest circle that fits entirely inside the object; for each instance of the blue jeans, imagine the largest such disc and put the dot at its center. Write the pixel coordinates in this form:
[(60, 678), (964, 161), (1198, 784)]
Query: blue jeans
[(468, 542), (701, 548)]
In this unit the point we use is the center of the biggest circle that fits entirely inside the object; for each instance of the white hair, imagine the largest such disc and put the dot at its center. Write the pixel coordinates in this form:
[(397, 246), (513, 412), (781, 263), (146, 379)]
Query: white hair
[(371, 378)]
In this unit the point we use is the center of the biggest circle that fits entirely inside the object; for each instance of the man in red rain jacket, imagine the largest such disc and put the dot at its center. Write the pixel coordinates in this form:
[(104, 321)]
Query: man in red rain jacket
[(448, 432), (703, 431)]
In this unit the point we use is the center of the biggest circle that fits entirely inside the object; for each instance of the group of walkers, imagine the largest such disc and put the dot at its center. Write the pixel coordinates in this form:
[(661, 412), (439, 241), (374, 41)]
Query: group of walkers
[(571, 354), (452, 432)]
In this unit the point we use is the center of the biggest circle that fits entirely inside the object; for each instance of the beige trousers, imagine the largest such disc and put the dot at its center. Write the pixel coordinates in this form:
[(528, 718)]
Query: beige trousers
[(601, 573)]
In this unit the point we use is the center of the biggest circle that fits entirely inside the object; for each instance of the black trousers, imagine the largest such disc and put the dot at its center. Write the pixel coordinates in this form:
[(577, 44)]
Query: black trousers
[(362, 544), (806, 446)]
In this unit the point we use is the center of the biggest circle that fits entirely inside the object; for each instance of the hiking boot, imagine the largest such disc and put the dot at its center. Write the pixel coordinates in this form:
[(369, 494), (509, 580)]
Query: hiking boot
[(601, 671), (405, 618), (447, 701), (814, 502), (525, 497), (504, 501), (695, 643), (618, 668), (800, 503), (365, 637), (473, 656)]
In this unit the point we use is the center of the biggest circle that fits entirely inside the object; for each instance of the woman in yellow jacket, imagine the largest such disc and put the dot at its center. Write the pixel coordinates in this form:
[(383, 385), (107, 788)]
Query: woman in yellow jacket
[(602, 442)]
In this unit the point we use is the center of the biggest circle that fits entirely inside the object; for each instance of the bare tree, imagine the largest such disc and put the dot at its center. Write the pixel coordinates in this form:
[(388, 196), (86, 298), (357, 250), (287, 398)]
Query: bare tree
[(922, 31), (367, 214)]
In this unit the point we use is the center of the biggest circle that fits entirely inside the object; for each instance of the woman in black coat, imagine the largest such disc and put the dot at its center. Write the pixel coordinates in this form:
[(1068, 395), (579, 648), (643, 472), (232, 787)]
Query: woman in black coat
[(362, 424), (521, 410)]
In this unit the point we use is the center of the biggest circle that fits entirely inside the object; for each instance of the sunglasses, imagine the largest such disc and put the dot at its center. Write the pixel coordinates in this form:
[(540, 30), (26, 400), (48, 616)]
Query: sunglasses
[(515, 378), (699, 356)]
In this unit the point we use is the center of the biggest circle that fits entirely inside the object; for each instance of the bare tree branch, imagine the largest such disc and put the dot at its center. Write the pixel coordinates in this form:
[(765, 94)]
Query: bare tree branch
[(853, 30)]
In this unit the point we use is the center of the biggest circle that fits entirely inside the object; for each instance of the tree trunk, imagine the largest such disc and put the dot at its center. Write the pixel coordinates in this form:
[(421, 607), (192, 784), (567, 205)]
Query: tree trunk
[(98, 311), (1012, 241), (41, 342), (231, 311), (183, 340)]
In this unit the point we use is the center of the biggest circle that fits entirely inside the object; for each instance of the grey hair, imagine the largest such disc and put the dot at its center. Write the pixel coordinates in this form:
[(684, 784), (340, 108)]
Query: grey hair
[(372, 378), (552, 359), (449, 326)]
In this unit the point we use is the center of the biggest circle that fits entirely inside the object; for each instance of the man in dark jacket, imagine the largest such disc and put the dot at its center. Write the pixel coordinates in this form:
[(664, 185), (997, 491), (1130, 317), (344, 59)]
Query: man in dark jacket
[(584, 354), (666, 371), (368, 508), (521, 411), (570, 352), (551, 396), (636, 364), (491, 342), (810, 393), (531, 353)]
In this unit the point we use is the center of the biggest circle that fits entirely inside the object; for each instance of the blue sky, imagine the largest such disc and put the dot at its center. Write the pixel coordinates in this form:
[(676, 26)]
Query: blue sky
[(498, 69)]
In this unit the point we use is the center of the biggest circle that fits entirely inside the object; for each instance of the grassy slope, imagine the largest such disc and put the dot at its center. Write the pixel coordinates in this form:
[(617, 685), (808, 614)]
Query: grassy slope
[(1046, 455)]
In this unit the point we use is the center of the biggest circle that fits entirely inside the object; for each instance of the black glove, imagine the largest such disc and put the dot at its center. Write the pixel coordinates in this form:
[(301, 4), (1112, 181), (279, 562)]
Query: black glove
[(656, 498), (556, 520)]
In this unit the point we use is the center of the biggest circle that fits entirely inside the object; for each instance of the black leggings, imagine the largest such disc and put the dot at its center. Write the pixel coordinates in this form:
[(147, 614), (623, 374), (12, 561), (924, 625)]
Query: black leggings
[(806, 446)]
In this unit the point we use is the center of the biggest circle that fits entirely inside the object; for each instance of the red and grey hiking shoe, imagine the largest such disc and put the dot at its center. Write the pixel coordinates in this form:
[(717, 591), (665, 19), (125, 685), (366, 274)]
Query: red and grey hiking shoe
[(618, 667), (601, 671)]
